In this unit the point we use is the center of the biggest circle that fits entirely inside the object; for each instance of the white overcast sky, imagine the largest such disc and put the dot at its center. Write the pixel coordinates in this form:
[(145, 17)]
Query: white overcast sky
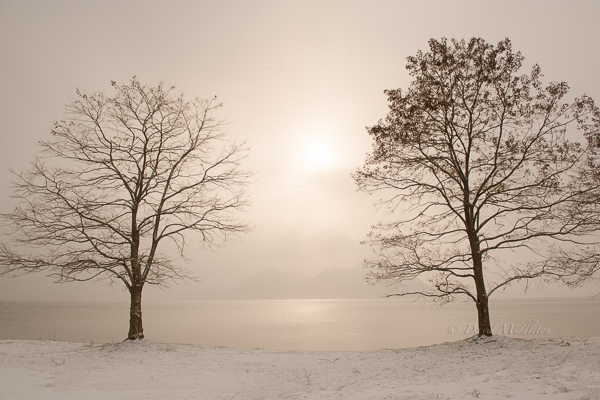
[(300, 81)]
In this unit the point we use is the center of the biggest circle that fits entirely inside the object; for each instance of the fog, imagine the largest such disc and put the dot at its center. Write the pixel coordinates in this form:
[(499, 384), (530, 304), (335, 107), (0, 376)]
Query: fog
[(299, 82)]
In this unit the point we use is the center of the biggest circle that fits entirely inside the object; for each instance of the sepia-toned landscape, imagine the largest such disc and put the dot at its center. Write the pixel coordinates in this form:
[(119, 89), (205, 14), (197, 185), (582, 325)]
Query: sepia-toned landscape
[(299, 199)]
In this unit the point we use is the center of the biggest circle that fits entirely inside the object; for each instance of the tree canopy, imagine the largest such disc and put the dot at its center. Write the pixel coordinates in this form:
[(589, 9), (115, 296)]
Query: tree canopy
[(475, 162), (119, 179)]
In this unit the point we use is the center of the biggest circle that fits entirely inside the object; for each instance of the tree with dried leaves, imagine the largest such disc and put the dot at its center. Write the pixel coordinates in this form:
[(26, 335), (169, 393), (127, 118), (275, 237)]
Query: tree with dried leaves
[(475, 162), (120, 179), (581, 263)]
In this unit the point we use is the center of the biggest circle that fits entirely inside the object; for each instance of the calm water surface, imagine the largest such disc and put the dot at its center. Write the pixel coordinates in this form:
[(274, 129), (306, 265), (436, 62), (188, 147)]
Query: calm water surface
[(299, 324)]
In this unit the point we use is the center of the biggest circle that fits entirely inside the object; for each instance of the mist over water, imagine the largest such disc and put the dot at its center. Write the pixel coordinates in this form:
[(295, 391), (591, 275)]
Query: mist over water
[(299, 324)]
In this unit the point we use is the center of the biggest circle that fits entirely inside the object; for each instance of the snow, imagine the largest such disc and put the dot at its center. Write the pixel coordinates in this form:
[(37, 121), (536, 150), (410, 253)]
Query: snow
[(485, 368)]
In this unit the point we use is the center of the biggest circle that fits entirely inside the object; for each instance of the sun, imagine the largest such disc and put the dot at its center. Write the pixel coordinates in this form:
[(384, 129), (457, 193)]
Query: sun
[(319, 155)]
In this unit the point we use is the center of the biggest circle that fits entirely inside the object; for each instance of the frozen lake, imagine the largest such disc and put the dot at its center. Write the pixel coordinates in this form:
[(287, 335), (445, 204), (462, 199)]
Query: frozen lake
[(299, 324)]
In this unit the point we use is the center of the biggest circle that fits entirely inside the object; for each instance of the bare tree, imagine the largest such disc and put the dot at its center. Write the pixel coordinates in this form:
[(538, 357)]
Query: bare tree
[(119, 178), (475, 162)]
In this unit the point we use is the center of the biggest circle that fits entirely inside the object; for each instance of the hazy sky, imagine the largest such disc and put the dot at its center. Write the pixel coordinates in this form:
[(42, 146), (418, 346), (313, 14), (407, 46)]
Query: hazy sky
[(299, 80)]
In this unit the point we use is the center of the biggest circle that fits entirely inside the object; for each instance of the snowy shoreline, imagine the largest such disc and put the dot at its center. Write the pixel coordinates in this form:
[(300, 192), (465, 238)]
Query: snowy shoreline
[(485, 368)]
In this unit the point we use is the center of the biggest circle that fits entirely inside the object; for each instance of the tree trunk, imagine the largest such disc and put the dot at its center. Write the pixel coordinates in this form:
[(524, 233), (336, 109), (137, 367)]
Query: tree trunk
[(483, 312), (136, 331), (483, 315)]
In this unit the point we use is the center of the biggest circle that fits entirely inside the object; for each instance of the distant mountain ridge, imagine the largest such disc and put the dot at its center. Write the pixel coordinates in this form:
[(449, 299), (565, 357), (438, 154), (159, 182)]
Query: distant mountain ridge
[(333, 283)]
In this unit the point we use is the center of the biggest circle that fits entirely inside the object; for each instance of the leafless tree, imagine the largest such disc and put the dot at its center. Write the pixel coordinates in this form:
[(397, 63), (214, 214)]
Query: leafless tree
[(473, 160), (119, 179)]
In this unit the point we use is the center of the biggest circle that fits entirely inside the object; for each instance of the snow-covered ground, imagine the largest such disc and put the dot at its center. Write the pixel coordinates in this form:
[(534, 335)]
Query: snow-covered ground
[(490, 368)]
